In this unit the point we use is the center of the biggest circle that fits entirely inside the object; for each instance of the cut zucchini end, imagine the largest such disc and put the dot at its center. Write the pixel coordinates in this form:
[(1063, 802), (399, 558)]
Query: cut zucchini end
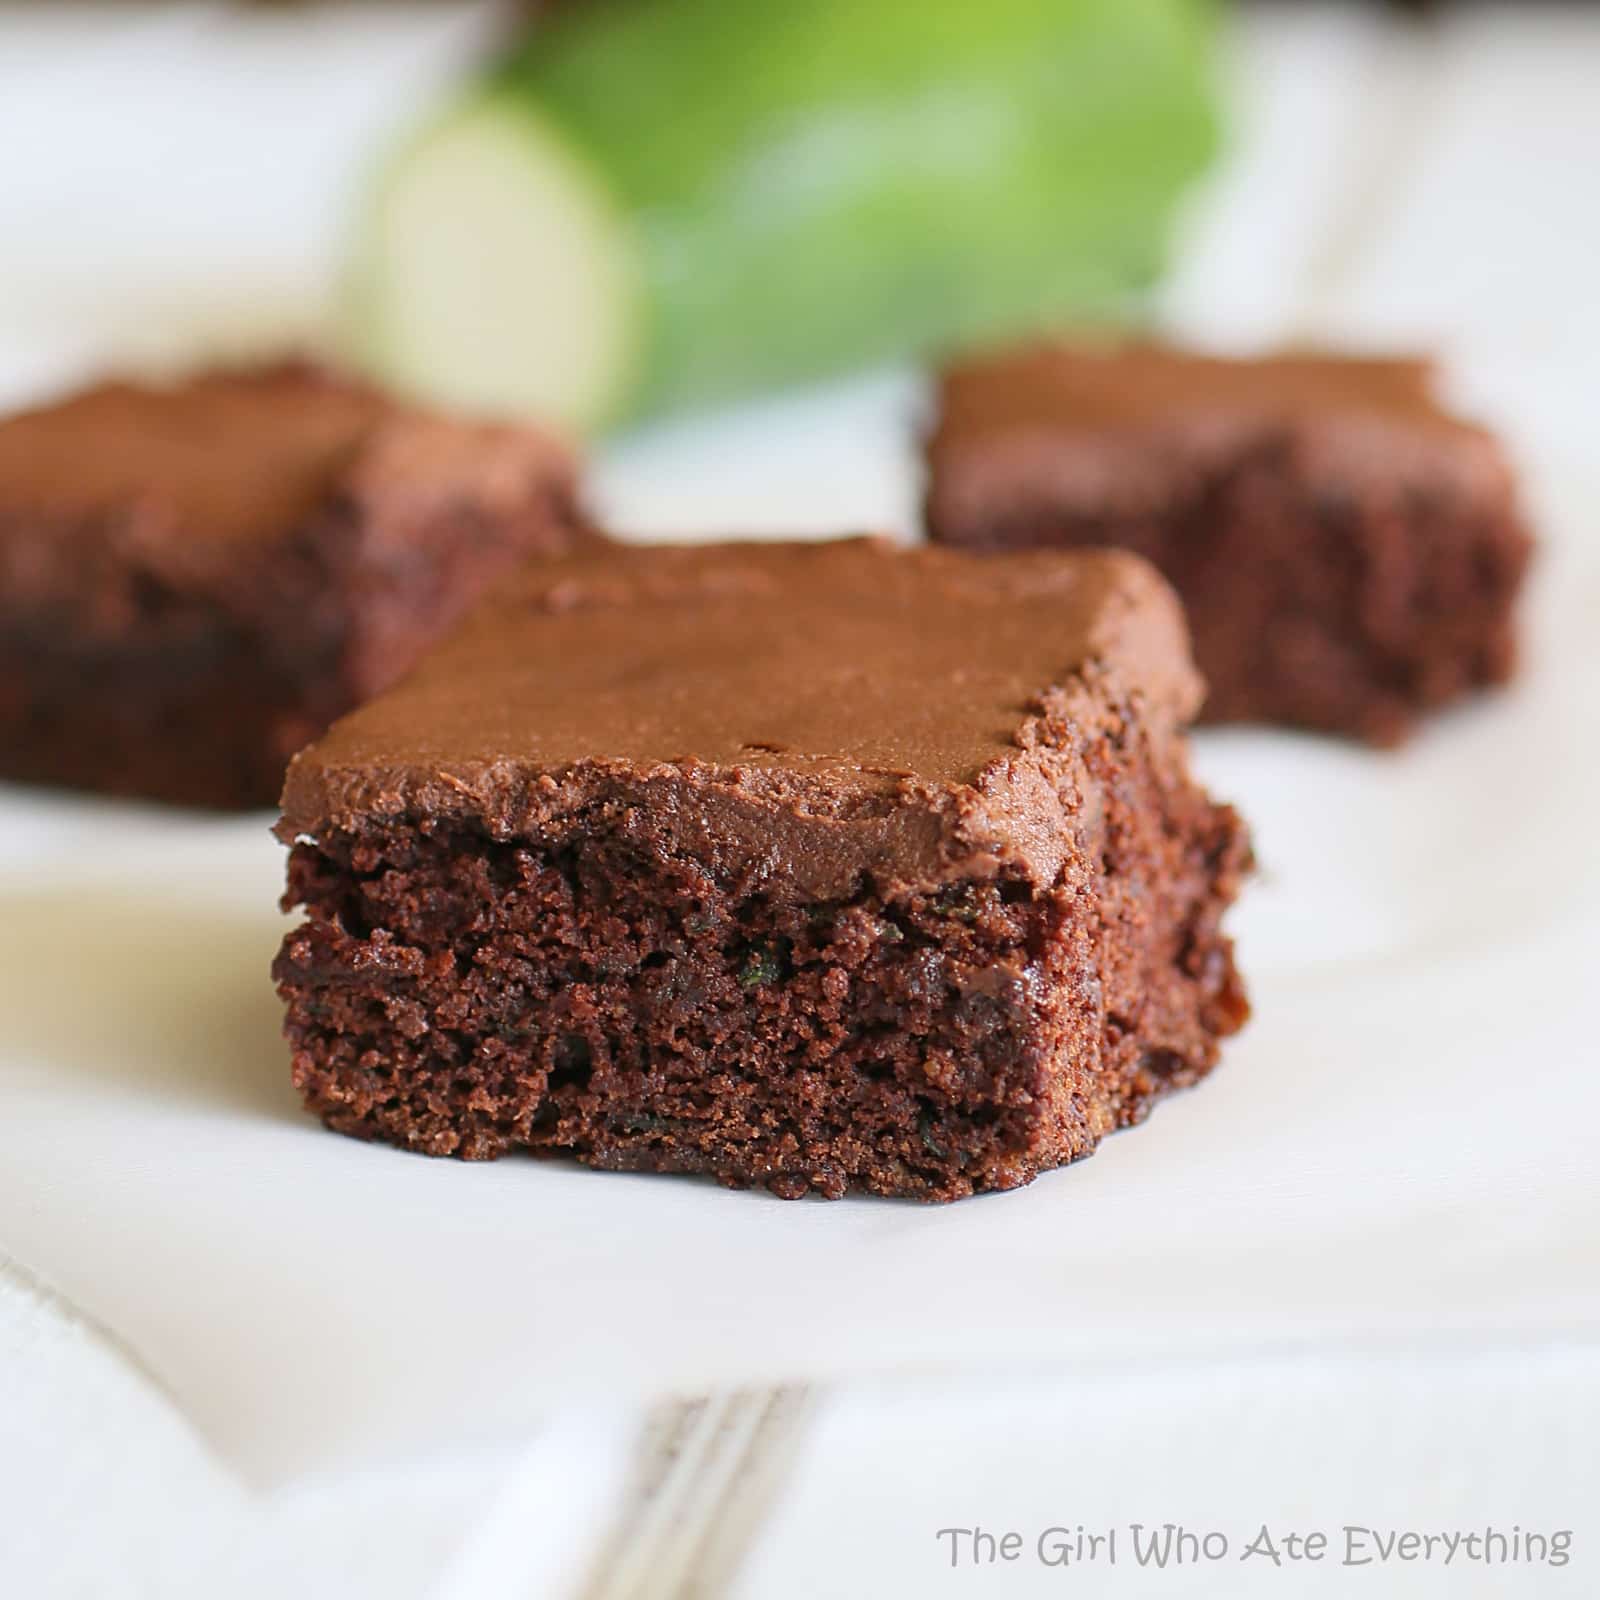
[(497, 276)]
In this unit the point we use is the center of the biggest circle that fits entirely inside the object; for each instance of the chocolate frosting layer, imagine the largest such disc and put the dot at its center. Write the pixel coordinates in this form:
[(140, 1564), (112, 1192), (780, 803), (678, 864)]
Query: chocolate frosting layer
[(227, 456), (200, 486), (1130, 427), (246, 455), (1117, 385), (807, 712)]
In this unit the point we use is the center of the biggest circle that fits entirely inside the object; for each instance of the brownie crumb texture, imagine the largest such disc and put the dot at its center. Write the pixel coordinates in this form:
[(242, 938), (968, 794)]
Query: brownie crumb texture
[(593, 992)]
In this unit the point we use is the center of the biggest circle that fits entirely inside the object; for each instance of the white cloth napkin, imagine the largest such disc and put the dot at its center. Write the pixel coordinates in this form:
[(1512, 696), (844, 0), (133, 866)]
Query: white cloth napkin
[(1400, 1144)]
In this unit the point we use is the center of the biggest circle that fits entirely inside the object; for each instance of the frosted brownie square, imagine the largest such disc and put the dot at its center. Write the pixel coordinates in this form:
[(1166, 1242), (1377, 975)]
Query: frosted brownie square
[(820, 866), (1349, 551), (197, 578)]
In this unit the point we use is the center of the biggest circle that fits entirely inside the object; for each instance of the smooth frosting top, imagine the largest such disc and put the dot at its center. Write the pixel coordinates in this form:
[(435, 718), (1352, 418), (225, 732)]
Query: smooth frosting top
[(1051, 430), (818, 700), (1114, 386), (226, 456)]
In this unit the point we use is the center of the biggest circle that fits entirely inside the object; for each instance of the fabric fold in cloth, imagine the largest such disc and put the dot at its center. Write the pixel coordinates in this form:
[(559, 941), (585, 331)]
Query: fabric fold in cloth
[(1397, 1146)]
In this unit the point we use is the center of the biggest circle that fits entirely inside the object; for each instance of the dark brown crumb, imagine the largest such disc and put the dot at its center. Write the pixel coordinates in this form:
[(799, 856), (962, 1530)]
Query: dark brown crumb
[(463, 996)]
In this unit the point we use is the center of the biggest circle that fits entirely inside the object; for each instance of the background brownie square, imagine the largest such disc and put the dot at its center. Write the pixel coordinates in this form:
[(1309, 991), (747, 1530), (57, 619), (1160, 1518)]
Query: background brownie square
[(821, 866), (195, 580), (1349, 553)]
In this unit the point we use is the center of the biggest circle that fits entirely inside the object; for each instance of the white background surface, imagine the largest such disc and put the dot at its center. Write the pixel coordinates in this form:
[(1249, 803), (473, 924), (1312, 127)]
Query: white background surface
[(1356, 1278)]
